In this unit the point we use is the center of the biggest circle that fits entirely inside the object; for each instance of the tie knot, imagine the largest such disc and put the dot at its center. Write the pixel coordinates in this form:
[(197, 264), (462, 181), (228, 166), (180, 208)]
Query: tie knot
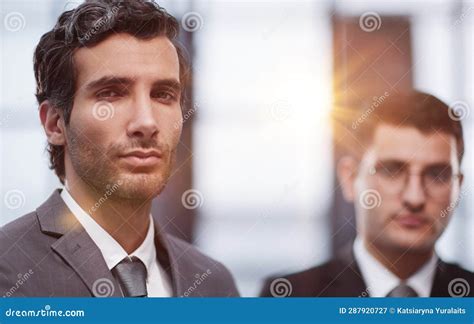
[(402, 290), (131, 274)]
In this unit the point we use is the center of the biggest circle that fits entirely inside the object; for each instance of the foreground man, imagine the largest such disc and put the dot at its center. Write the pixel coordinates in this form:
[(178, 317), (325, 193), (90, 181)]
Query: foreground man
[(404, 181), (109, 83)]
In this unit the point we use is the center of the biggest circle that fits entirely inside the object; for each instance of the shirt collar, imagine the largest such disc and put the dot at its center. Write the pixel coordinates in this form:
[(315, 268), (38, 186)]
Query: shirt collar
[(422, 280), (111, 250), (380, 281), (146, 252)]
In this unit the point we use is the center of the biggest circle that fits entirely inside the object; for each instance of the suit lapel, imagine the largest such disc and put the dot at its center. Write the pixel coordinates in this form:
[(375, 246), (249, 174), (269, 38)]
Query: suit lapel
[(440, 281), (169, 259), (347, 280), (76, 247)]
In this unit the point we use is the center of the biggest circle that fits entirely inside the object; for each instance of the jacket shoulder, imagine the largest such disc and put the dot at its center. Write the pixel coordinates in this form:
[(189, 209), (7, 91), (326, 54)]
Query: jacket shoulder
[(195, 262), (455, 270), (18, 231), (309, 282), (22, 246), (452, 280)]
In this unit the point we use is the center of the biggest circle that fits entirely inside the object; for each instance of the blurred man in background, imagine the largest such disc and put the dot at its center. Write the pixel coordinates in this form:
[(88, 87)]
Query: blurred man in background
[(404, 179)]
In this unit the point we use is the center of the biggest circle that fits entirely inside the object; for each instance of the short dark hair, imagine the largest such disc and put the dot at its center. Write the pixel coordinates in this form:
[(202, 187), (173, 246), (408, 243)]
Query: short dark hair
[(412, 108), (86, 26)]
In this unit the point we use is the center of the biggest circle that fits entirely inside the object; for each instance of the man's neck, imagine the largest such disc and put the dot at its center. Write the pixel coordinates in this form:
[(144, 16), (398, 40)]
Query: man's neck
[(127, 221), (403, 264)]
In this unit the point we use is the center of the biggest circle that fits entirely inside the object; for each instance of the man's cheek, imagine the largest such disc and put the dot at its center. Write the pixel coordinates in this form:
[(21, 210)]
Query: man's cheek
[(382, 217), (174, 134), (442, 213)]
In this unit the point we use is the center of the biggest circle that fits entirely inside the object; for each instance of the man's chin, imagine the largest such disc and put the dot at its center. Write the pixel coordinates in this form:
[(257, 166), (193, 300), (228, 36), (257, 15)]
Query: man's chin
[(140, 187), (412, 242)]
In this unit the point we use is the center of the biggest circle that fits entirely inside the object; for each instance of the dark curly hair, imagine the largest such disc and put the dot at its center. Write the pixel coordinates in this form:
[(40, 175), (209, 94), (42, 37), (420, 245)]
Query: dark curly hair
[(86, 26)]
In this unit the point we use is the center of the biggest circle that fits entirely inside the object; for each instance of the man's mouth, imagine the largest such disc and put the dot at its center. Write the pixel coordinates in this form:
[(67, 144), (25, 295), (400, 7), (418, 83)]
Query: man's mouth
[(412, 221), (142, 158)]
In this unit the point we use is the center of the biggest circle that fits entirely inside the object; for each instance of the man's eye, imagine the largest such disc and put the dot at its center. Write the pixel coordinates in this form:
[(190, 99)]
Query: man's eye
[(439, 175), (164, 96), (107, 94), (391, 170)]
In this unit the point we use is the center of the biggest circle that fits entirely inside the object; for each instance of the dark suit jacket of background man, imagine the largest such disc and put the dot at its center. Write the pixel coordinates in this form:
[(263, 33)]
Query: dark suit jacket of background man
[(341, 277)]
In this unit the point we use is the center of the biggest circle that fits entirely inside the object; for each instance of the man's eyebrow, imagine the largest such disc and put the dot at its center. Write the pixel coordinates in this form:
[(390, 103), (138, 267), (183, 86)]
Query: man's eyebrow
[(169, 83), (108, 81), (442, 165), (391, 160), (126, 81)]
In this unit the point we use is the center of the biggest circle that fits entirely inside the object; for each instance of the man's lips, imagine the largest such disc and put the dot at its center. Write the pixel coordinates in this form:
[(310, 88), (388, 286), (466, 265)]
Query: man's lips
[(142, 158), (411, 220)]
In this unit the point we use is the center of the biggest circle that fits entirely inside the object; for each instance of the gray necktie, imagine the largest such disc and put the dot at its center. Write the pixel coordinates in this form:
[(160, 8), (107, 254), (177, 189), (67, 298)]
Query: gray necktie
[(402, 290), (131, 274)]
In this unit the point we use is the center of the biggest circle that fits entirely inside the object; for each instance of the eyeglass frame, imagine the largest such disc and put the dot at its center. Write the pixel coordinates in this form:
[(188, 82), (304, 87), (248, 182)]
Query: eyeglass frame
[(374, 172)]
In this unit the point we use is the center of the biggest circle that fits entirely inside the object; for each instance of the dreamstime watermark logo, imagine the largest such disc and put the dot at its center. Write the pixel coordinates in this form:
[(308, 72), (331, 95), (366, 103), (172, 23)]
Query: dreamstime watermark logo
[(192, 21), (103, 287), (109, 190), (458, 110), (14, 21), (459, 287), (377, 101), (41, 313), (370, 198), (448, 210), (99, 24), (14, 199), (370, 21), (186, 116), (280, 110), (22, 278), (103, 110), (365, 293), (281, 287), (192, 199), (199, 279)]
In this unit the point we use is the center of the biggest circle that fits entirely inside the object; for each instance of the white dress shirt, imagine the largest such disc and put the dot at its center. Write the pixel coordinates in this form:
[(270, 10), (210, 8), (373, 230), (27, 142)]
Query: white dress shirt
[(380, 281), (157, 284)]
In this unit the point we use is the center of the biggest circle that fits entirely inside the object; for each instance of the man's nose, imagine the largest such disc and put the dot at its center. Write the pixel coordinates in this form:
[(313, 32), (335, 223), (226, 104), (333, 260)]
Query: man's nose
[(414, 196), (142, 123)]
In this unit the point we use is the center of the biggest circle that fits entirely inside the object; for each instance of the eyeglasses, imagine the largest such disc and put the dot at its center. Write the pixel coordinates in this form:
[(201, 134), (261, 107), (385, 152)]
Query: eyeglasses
[(437, 180)]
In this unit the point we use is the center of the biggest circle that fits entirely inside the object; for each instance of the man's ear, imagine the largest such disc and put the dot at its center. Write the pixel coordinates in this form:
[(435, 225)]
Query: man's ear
[(346, 174), (53, 123)]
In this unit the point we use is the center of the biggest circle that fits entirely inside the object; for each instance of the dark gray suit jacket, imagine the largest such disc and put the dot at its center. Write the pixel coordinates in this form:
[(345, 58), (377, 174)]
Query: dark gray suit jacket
[(48, 253), (341, 277)]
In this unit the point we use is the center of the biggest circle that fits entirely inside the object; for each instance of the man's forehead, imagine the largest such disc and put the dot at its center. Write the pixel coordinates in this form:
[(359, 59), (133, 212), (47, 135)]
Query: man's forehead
[(125, 55), (406, 143)]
